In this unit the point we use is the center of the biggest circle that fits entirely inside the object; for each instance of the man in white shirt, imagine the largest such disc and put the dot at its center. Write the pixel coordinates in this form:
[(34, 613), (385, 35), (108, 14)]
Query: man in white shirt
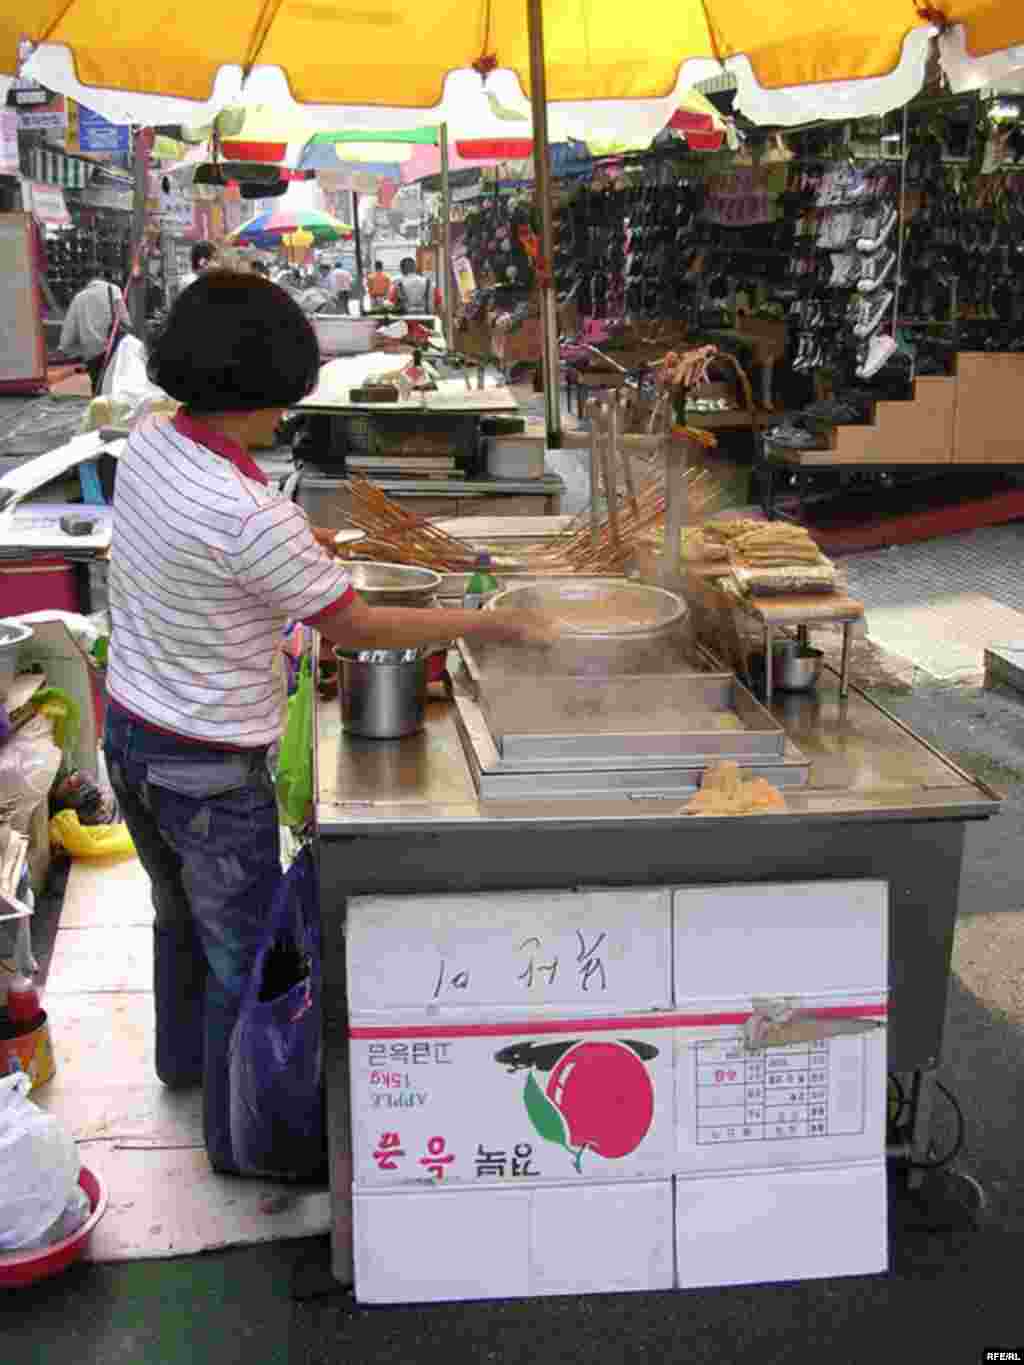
[(339, 283), (89, 323)]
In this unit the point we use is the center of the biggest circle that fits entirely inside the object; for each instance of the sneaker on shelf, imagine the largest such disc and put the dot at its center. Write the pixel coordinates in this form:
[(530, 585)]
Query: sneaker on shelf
[(793, 437), (877, 233), (834, 412), (872, 312), (840, 269), (880, 350), (876, 270)]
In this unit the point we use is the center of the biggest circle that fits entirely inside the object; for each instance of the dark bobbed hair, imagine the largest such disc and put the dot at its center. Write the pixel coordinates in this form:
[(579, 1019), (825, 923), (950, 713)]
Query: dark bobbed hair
[(235, 342), (378, 265), (201, 253), (407, 265)]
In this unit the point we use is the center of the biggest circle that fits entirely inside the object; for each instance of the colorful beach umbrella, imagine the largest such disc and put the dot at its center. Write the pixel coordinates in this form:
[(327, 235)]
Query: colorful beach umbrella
[(268, 229)]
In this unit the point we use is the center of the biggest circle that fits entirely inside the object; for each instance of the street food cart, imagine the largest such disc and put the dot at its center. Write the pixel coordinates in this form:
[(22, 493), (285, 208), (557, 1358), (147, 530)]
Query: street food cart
[(445, 422), (518, 897)]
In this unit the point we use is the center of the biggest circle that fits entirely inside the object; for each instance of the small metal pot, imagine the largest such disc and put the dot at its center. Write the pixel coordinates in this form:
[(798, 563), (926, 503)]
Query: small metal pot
[(795, 669), (383, 692)]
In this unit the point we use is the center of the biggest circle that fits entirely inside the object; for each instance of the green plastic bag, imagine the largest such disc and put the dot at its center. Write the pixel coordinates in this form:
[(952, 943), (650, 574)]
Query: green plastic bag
[(295, 762)]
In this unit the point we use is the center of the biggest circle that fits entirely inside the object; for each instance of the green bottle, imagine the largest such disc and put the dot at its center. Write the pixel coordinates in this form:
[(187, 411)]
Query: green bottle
[(482, 583)]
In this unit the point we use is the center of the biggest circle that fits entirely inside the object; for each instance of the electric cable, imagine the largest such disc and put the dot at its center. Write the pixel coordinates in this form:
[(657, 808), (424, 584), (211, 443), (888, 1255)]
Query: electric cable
[(957, 1148)]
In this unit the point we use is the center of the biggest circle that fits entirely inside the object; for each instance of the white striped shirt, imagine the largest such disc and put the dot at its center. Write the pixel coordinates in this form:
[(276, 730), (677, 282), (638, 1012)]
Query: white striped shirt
[(207, 566)]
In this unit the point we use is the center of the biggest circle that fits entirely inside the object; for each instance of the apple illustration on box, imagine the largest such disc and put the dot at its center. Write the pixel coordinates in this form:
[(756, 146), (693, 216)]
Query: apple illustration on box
[(599, 1096)]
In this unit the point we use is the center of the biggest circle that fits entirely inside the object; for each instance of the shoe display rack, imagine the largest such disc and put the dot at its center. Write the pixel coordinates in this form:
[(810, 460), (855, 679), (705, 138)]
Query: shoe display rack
[(77, 255), (956, 423), (843, 265)]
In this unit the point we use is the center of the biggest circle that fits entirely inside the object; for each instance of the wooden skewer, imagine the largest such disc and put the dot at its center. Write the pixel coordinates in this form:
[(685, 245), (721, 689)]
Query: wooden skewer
[(619, 428), (610, 480), (593, 411)]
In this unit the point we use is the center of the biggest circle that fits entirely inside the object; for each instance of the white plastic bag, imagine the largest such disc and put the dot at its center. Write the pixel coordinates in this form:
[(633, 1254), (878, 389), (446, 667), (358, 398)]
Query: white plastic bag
[(28, 766), (39, 1166)]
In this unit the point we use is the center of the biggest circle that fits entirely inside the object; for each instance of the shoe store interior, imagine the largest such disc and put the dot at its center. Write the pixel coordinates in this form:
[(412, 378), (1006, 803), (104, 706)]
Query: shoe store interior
[(864, 276)]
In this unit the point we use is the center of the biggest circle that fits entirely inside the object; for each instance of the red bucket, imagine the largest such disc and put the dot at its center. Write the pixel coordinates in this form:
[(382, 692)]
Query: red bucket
[(21, 1268)]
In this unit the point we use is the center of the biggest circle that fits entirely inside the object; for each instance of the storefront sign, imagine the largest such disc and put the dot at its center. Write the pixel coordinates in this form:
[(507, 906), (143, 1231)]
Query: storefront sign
[(107, 197), (9, 164), (46, 202), (97, 134), (174, 210), (361, 181), (743, 197), (38, 108)]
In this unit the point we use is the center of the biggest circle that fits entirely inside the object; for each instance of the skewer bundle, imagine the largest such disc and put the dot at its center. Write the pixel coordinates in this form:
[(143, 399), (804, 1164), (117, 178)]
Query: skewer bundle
[(399, 537)]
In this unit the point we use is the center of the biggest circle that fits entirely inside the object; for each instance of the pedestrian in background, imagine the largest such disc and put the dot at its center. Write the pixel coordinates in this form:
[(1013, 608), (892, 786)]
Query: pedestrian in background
[(339, 282), (204, 257), (412, 293), (378, 285), (91, 325)]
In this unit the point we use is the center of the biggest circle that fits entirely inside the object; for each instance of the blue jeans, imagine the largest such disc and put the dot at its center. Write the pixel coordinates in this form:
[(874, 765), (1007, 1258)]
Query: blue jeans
[(205, 826)]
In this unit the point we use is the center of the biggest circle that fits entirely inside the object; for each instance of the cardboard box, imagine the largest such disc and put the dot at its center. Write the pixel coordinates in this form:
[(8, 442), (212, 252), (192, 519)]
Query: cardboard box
[(491, 1244), (768, 1226), (549, 1065), (780, 1161), (589, 951), (477, 1104), (806, 1104)]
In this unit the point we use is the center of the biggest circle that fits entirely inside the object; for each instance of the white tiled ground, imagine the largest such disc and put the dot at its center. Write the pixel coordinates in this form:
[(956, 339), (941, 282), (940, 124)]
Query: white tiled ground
[(144, 1141), (941, 603)]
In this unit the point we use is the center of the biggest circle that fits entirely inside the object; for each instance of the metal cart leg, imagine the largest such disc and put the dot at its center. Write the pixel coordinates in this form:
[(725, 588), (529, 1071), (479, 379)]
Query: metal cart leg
[(844, 665)]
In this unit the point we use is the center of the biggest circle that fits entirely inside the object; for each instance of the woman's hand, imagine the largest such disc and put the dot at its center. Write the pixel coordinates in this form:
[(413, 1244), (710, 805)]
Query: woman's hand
[(523, 627)]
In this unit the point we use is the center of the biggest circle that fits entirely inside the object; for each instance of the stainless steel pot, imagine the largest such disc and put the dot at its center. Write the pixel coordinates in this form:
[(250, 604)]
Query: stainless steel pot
[(393, 585), (383, 692), (795, 669)]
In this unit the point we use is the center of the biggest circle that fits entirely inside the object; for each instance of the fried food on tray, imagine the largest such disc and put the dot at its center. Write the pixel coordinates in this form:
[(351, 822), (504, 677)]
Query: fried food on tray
[(725, 791)]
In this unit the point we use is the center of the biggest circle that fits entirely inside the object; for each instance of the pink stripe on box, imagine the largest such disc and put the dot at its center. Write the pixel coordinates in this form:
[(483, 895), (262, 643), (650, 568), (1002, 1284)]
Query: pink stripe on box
[(617, 1024)]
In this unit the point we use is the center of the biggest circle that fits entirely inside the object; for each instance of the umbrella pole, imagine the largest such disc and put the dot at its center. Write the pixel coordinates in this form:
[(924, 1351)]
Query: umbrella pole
[(359, 250), (542, 171), (446, 243), (135, 289)]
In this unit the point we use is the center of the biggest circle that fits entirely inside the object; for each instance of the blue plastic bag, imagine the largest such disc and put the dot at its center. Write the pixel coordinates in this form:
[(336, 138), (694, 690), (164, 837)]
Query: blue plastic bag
[(278, 1122)]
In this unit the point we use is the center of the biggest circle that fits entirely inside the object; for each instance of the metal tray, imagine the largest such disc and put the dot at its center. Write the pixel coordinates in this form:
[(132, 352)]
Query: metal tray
[(501, 776), (684, 716)]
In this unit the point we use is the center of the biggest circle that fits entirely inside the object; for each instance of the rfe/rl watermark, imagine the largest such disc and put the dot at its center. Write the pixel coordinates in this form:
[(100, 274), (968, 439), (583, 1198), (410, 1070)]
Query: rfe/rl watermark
[(1014, 1357)]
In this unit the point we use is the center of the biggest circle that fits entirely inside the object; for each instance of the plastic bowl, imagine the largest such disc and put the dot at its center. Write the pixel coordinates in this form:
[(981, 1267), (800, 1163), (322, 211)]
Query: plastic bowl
[(21, 1268)]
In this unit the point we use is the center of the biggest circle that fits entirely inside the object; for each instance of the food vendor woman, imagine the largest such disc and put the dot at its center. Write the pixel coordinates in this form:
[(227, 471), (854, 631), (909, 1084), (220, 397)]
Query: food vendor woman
[(208, 564)]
